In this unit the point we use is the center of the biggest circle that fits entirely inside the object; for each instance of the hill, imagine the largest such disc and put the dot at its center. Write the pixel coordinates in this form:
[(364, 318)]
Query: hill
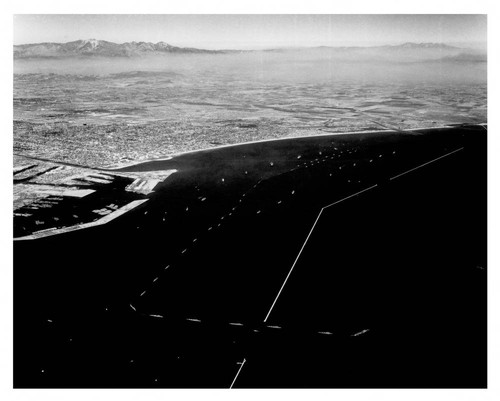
[(93, 47)]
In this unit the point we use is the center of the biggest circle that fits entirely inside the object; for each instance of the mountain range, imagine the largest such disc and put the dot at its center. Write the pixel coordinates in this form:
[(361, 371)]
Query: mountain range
[(93, 47), (102, 48)]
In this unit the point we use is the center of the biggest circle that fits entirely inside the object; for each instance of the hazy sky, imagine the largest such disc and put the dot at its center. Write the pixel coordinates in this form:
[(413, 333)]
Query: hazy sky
[(252, 31)]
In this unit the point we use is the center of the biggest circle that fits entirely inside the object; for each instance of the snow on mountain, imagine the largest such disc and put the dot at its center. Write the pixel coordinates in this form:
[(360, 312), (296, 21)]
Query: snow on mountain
[(94, 47)]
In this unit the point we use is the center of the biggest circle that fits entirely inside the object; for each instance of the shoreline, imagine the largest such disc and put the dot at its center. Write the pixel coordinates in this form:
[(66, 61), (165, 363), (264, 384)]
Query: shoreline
[(174, 155)]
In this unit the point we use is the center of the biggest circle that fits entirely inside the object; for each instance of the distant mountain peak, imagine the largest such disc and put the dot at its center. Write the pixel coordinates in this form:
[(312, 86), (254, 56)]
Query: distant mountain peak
[(424, 45), (90, 43), (102, 48), (163, 44)]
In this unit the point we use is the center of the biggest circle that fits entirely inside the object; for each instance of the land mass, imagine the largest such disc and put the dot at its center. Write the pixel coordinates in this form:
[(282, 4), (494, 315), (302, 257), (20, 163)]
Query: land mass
[(93, 47), (103, 48)]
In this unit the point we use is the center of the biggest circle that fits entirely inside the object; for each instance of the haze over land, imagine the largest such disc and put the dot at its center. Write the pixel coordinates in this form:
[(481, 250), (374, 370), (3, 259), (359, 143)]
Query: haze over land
[(162, 55), (101, 103)]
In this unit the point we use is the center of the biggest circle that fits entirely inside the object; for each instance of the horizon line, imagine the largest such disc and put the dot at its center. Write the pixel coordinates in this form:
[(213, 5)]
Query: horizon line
[(267, 47)]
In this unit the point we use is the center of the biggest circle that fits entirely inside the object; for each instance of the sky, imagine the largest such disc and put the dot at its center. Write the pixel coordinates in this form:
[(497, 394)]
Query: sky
[(229, 31)]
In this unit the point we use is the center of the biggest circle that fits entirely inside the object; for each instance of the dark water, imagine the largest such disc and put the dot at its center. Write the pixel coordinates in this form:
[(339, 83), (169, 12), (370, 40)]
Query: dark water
[(139, 303)]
